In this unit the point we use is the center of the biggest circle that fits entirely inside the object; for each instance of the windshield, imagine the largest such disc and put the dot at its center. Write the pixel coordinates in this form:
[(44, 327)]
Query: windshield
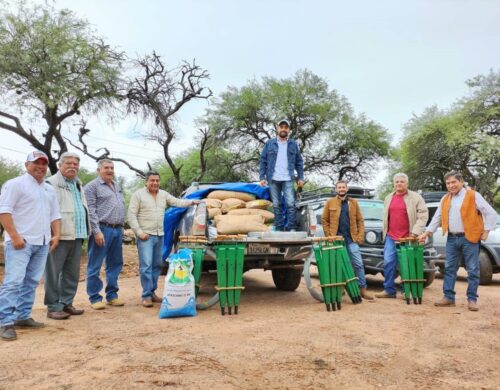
[(371, 210)]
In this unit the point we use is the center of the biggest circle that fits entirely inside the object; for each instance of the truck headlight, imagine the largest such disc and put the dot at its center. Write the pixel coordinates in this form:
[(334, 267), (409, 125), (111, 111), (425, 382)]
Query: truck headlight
[(371, 237)]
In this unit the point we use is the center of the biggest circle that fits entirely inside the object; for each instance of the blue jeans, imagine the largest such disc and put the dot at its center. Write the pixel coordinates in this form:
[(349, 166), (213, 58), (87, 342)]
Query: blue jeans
[(390, 265), (23, 271), (357, 263), (278, 188), (456, 247), (112, 251), (150, 259)]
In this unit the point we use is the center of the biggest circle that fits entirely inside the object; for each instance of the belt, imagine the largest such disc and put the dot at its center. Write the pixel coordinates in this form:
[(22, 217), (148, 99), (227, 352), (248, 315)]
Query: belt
[(450, 234), (111, 225)]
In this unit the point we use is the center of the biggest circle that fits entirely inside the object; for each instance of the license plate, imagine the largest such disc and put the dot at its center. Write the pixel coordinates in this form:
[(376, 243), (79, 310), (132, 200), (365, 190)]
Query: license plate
[(258, 249)]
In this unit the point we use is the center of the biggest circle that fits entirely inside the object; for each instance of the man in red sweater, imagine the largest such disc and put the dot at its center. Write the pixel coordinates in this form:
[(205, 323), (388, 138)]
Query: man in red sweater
[(405, 214)]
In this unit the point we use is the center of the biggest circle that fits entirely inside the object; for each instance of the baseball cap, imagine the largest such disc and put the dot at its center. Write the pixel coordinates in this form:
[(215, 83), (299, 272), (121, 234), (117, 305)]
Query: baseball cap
[(284, 121), (35, 155)]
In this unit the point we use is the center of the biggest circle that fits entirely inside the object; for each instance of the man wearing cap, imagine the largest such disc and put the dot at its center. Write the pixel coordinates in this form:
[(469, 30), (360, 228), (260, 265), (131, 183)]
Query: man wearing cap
[(107, 215), (63, 265), (279, 159), (29, 213)]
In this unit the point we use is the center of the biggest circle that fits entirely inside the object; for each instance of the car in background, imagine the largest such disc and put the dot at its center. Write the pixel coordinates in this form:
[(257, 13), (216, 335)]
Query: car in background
[(372, 209), (489, 255)]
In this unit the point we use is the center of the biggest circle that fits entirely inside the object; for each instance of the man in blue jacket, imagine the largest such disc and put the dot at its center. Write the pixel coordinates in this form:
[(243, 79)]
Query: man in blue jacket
[(278, 161)]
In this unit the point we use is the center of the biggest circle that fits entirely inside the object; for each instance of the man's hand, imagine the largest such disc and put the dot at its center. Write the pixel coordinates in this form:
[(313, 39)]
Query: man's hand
[(18, 241), (424, 236), (54, 241), (143, 236), (263, 183), (300, 183), (99, 239), (484, 235)]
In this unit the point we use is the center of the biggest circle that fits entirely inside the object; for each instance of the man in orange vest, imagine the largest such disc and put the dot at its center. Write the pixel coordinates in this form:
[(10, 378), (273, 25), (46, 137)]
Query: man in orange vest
[(467, 219)]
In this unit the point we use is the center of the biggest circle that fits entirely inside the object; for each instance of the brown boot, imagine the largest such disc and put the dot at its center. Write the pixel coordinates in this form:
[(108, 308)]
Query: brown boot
[(366, 295), (444, 302), (472, 306)]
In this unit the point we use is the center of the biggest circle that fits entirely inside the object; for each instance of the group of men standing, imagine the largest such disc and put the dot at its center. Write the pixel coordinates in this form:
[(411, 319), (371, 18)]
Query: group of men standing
[(463, 214), (46, 222)]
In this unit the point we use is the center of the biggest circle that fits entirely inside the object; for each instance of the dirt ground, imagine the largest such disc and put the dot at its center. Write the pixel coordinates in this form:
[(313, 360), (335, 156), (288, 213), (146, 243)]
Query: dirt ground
[(278, 341)]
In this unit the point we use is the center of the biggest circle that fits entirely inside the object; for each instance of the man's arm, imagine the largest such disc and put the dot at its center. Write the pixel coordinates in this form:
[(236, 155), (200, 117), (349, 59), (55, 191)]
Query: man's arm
[(263, 165), (299, 164), (8, 224), (360, 222), (91, 195), (422, 217), (433, 226), (173, 201), (55, 226), (489, 215), (133, 211), (325, 219), (8, 199)]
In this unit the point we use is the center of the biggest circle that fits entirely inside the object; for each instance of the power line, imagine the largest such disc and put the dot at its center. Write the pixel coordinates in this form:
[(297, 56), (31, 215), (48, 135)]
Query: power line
[(13, 150)]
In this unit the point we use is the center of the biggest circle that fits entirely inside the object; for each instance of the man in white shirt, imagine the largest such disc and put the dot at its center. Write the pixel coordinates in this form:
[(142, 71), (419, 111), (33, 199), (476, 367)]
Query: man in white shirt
[(29, 212), (145, 216), (467, 218)]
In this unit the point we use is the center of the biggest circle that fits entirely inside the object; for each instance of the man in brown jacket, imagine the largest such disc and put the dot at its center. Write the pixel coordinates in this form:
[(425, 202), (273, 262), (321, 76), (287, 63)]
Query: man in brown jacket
[(342, 216)]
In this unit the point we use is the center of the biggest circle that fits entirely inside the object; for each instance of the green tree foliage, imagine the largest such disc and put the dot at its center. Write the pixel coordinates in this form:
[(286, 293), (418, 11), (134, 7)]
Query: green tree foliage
[(52, 66), (335, 142), (465, 138), (9, 170)]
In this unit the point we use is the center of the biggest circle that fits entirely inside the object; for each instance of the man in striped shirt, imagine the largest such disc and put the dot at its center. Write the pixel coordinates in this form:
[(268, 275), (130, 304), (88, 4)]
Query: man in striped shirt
[(107, 215), (62, 271)]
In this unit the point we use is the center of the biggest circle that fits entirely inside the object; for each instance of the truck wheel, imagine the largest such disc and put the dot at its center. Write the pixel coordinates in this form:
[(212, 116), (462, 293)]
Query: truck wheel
[(485, 268), (287, 279), (429, 278)]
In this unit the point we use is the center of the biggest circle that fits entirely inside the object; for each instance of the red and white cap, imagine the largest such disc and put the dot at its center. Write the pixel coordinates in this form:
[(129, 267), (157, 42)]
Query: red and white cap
[(36, 155)]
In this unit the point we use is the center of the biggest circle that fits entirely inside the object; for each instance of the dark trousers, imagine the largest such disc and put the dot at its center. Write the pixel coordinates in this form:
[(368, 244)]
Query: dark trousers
[(62, 273)]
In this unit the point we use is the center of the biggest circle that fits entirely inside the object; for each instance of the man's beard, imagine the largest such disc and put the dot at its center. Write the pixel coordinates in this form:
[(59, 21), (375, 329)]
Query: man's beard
[(341, 193), (283, 134)]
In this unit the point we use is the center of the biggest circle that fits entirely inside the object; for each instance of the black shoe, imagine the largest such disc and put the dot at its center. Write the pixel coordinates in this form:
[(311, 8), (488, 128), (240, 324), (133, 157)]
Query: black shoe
[(58, 315), (29, 323), (8, 333)]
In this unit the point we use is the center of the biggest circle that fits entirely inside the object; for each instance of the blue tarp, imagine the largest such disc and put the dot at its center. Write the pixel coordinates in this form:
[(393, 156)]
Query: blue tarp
[(174, 214)]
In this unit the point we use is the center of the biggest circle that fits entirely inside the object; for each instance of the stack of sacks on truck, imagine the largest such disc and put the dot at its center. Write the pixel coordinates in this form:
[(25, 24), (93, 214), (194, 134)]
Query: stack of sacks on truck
[(238, 212)]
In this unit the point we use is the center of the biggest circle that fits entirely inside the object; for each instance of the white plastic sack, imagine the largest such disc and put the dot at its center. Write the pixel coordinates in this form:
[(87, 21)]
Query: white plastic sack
[(179, 298)]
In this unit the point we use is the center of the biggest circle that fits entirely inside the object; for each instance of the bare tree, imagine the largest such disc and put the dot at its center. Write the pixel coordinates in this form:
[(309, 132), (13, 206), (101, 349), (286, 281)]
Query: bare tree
[(159, 94)]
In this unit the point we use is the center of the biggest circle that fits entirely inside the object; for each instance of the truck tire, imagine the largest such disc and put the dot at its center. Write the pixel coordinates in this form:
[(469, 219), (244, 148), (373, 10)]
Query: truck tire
[(429, 278), (287, 279), (485, 268)]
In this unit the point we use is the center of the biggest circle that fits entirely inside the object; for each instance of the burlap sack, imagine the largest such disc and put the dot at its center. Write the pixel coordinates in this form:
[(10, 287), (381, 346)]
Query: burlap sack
[(213, 203), (231, 204), (221, 195), (268, 216), (239, 224), (213, 212), (258, 204)]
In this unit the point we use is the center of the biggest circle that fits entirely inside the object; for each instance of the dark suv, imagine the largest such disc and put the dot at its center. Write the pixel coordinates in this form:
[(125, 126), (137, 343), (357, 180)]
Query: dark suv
[(372, 209)]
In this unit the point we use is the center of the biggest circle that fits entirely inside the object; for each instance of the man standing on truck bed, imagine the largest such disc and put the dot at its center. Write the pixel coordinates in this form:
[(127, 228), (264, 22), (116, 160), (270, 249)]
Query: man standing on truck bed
[(467, 219), (342, 216), (278, 161)]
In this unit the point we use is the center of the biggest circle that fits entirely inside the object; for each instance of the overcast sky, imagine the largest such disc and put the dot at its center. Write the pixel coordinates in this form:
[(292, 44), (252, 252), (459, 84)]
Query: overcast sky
[(390, 58)]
